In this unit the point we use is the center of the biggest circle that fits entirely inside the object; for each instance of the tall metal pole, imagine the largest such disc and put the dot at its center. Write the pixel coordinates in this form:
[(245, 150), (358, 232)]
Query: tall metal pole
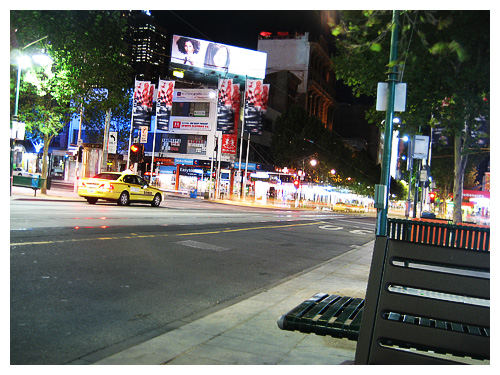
[(246, 169), (385, 177), (241, 139), (410, 170)]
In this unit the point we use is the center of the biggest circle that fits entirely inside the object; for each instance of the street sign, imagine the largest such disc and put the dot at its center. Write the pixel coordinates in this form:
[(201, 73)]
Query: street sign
[(399, 99), (112, 142), (144, 134), (420, 147), (18, 130), (424, 175)]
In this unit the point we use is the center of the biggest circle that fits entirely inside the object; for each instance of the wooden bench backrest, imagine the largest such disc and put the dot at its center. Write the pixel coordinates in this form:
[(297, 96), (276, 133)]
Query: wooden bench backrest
[(425, 297)]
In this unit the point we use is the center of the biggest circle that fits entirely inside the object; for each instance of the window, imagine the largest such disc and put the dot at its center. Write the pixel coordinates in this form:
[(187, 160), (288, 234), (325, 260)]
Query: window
[(130, 179), (188, 109), (107, 176)]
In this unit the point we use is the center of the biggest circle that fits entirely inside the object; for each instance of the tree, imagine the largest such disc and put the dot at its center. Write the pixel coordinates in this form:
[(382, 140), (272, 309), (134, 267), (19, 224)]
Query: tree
[(89, 47), (444, 59), (46, 105)]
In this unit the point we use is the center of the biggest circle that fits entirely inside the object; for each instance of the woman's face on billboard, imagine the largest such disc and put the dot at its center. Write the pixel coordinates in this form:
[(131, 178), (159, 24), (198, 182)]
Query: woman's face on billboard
[(189, 48)]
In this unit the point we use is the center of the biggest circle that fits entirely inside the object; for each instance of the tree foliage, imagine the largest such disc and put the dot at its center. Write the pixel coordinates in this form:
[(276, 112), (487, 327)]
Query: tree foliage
[(444, 59), (90, 65), (299, 137)]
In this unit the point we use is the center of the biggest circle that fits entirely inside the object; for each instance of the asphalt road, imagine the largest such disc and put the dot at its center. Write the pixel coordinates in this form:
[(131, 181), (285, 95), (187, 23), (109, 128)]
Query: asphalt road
[(89, 281)]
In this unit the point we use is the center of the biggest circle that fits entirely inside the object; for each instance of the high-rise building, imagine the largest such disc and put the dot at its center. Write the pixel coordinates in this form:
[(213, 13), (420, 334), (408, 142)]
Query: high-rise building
[(149, 46)]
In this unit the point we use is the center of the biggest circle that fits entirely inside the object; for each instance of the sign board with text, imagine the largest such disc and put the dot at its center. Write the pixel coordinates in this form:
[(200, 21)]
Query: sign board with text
[(112, 142)]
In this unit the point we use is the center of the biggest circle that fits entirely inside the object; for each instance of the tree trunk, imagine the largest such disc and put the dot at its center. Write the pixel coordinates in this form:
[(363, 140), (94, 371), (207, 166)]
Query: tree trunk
[(458, 181), (46, 142)]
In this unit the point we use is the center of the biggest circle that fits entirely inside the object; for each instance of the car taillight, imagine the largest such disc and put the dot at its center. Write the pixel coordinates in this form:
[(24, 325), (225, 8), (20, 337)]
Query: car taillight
[(106, 187)]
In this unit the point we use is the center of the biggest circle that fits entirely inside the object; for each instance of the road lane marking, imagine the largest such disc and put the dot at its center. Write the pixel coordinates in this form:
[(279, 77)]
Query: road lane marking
[(194, 234), (202, 245), (135, 236), (330, 227)]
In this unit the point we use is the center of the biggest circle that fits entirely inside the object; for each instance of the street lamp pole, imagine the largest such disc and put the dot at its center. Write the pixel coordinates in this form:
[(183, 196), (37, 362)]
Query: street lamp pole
[(385, 177)]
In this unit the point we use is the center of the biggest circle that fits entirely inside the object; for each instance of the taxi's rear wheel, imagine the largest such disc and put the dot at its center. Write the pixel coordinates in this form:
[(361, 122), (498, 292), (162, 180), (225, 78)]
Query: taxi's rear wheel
[(91, 200), (156, 200), (124, 199)]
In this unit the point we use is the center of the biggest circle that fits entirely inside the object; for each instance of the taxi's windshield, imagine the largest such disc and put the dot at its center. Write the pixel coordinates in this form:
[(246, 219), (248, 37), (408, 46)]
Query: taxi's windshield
[(107, 176)]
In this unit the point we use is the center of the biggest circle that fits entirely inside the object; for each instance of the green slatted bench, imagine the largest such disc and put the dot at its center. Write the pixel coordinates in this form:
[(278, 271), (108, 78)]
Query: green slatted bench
[(34, 183), (325, 314), (424, 304)]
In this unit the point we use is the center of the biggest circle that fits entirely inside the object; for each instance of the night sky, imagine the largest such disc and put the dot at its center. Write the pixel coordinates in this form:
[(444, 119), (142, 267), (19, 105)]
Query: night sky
[(239, 28)]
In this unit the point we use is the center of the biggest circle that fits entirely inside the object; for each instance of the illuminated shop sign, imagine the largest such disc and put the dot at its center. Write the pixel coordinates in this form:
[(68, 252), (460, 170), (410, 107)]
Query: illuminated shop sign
[(192, 144), (206, 55)]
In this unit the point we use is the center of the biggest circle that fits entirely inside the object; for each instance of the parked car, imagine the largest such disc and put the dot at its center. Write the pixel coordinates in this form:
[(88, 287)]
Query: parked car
[(21, 172), (120, 187), (427, 215)]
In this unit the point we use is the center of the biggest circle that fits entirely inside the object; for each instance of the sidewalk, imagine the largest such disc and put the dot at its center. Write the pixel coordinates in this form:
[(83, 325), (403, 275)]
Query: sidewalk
[(52, 194), (246, 333)]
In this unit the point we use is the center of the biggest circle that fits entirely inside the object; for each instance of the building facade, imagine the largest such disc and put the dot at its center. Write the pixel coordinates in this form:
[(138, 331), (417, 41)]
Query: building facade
[(306, 57)]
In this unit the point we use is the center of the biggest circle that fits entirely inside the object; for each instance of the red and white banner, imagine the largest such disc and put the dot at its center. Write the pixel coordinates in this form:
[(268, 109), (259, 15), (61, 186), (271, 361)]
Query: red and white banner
[(236, 100), (164, 103), (225, 111), (142, 103), (253, 106), (229, 143)]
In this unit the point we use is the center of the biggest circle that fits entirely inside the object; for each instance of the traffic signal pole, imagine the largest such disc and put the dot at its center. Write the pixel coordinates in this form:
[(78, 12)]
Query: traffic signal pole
[(385, 177)]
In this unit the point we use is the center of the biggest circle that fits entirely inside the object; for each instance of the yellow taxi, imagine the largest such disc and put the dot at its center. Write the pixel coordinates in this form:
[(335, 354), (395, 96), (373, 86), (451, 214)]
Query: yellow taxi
[(121, 187)]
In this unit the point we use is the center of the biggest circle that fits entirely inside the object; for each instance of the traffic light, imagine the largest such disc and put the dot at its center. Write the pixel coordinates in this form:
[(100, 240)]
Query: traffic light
[(296, 183), (432, 196), (136, 153)]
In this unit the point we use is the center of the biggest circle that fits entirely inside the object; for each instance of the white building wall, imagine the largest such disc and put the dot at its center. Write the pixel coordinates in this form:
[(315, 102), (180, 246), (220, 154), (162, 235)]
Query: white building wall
[(288, 54)]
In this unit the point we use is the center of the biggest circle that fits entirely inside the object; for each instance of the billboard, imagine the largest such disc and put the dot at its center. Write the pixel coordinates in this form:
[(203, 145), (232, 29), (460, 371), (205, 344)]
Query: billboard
[(212, 56), (193, 110)]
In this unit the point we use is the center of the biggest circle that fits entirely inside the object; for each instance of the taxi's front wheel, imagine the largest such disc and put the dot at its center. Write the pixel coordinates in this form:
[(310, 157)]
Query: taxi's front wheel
[(156, 200), (124, 199)]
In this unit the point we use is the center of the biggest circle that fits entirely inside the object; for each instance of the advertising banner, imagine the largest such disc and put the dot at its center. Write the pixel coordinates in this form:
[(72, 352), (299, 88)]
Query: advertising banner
[(236, 106), (206, 55), (142, 104), (229, 142), (225, 109), (143, 131), (164, 104), (190, 125), (253, 106)]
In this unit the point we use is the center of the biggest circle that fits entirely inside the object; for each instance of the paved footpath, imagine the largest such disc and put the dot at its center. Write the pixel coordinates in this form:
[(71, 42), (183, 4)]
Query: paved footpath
[(246, 333)]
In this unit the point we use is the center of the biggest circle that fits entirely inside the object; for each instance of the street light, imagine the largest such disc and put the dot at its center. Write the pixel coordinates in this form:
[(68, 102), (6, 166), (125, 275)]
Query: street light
[(24, 62)]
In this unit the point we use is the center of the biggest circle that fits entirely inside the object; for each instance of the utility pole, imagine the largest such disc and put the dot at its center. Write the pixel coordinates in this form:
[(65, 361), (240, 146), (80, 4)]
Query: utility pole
[(385, 177), (410, 170)]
